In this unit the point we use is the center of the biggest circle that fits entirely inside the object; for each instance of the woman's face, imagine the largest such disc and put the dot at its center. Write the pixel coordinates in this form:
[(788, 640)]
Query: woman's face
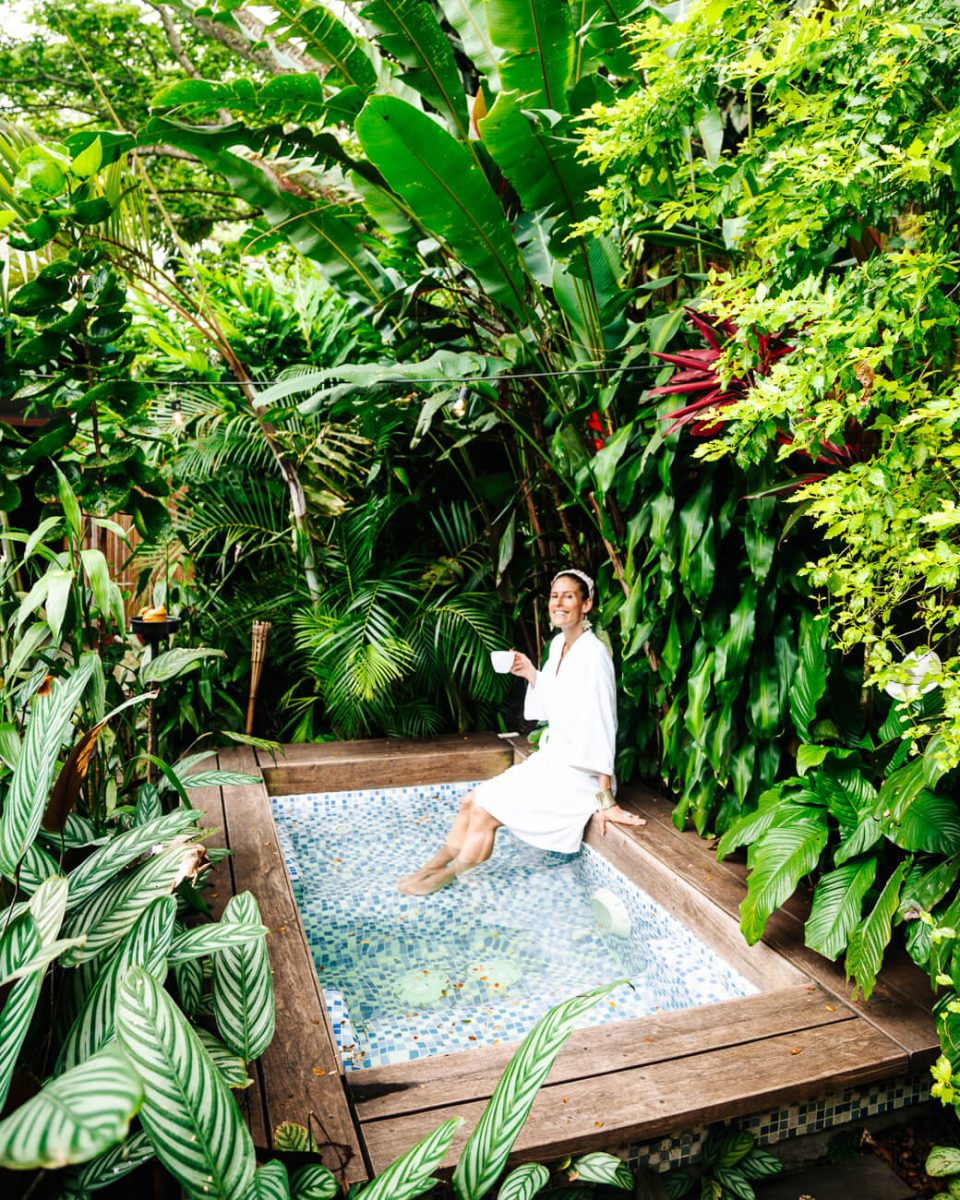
[(567, 605)]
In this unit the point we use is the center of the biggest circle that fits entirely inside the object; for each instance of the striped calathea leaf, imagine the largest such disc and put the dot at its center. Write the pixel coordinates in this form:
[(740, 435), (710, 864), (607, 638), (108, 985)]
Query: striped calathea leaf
[(411, 1174), (188, 1111), (75, 1117), (103, 866), (110, 1166), (485, 1153), (146, 946), (270, 1182), (29, 789), (243, 1000), (105, 917)]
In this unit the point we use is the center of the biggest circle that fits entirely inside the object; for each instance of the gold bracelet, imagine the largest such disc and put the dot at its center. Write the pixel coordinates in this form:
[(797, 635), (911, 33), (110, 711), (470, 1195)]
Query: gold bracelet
[(606, 799)]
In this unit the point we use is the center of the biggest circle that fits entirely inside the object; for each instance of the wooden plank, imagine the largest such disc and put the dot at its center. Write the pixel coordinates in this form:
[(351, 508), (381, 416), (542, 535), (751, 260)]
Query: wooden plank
[(648, 1102), (596, 1050), (897, 1006), (301, 1072), (384, 762)]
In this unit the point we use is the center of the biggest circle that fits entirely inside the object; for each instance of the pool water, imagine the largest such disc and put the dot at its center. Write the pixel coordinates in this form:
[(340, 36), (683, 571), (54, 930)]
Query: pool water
[(479, 962)]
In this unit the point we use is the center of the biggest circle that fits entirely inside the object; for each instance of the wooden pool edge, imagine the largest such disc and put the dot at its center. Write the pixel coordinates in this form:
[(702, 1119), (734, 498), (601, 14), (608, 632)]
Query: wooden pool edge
[(800, 1038)]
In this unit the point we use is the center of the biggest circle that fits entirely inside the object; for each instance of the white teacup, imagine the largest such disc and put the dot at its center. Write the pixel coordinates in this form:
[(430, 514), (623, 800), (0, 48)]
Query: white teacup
[(502, 660)]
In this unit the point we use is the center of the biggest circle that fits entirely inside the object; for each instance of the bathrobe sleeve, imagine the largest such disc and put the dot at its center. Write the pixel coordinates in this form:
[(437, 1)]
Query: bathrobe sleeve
[(535, 703), (589, 711)]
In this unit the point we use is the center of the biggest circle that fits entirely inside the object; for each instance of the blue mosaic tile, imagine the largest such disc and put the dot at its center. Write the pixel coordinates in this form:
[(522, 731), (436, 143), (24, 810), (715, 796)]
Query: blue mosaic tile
[(498, 947)]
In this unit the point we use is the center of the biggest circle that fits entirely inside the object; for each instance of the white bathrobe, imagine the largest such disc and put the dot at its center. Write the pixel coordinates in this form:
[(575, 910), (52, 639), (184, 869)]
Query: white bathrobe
[(548, 798)]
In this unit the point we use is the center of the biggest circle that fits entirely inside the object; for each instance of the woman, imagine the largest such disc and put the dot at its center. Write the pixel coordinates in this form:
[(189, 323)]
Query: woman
[(548, 798)]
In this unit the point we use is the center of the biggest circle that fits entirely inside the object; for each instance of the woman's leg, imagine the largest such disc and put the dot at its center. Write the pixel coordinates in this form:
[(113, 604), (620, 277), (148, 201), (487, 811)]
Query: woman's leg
[(450, 849), (476, 848)]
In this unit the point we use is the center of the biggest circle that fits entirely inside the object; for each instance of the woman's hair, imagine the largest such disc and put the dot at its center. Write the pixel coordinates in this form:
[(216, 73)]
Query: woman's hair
[(584, 582)]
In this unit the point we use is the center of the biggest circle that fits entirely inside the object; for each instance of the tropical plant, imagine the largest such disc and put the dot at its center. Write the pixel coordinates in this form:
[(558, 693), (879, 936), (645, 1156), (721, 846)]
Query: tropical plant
[(100, 876), (839, 242)]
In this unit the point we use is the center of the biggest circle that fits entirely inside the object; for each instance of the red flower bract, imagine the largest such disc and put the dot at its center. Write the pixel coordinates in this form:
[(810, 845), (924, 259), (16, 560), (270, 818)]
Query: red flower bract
[(698, 376)]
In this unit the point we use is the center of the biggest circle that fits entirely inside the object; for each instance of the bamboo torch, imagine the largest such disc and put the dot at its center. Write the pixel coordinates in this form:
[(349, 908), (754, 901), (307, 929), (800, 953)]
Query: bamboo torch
[(258, 653)]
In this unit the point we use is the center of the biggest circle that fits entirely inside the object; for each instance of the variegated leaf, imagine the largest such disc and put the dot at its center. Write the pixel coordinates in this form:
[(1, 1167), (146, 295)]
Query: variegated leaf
[(106, 917), (524, 1182), (30, 784), (599, 1167), (188, 1111), (102, 867), (243, 1001), (411, 1174), (270, 1182), (43, 958), (231, 1066), (78, 1115), (144, 946), (48, 906), (15, 1024), (314, 1182), (210, 939), (111, 1165), (189, 980), (483, 1157)]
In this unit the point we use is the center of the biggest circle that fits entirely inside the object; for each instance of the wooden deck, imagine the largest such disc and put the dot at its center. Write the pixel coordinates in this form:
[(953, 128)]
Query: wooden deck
[(801, 1038)]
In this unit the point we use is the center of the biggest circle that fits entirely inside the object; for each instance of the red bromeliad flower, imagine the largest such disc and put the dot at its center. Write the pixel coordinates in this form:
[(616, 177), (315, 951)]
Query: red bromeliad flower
[(699, 375), (595, 425)]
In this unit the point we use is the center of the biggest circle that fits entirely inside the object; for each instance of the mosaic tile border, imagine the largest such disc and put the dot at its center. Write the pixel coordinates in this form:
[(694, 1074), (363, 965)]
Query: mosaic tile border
[(777, 1125)]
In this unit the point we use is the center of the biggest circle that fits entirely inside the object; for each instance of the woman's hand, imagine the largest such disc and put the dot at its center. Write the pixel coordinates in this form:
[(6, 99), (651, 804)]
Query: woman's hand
[(617, 816), (523, 667)]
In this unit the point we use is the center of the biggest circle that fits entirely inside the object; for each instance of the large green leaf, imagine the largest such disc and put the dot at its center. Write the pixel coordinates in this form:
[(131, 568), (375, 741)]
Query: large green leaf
[(175, 662), (810, 682), (836, 907), (485, 1153), (543, 168), (411, 1174), (30, 785), (469, 19), (188, 1111), (243, 1000), (778, 861), (319, 228), (144, 946), (931, 823), (411, 34), (328, 39), (733, 649), (763, 709), (440, 181), (898, 791), (75, 1117), (536, 38), (750, 827), (870, 938)]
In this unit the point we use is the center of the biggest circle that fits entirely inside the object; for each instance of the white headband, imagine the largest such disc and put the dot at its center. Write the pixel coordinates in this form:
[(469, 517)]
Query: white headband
[(582, 575)]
